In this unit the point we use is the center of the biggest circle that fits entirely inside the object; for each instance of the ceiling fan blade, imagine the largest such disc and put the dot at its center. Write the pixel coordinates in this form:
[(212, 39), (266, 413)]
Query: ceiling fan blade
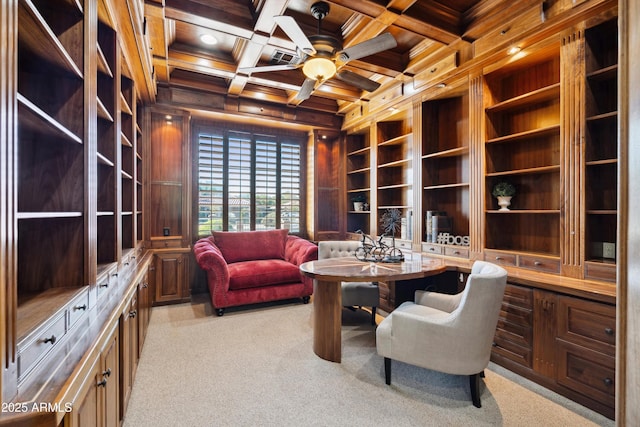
[(294, 32), (306, 89), (377, 44), (358, 81), (266, 68)]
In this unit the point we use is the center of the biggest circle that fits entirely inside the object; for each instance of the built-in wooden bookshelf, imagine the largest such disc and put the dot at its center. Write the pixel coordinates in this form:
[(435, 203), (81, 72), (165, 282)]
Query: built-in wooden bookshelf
[(522, 147), (445, 170), (601, 152), (69, 193), (394, 164), (358, 181)]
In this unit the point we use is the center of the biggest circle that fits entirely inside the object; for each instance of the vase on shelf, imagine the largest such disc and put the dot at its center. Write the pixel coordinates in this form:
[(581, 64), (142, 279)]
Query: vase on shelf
[(358, 206), (504, 202)]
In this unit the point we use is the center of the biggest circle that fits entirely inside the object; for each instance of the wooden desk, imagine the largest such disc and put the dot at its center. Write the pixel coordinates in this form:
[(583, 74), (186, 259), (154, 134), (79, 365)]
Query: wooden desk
[(327, 294)]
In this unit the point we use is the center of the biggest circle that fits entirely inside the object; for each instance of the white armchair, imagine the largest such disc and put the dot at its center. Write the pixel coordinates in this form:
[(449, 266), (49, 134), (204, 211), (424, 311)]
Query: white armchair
[(363, 294), (447, 333)]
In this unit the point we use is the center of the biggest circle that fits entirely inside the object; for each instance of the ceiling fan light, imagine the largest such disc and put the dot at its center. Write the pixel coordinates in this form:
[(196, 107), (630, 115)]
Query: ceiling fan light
[(319, 68)]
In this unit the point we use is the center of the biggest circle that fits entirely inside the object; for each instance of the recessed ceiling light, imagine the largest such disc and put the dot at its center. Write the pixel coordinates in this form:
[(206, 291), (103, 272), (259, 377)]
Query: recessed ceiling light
[(514, 50), (208, 39)]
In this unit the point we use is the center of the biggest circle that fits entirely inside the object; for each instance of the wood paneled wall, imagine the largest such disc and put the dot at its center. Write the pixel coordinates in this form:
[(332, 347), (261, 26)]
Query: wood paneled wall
[(628, 306)]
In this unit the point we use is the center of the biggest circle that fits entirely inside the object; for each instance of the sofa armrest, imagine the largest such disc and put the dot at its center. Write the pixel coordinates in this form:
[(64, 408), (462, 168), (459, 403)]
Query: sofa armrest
[(297, 250), (210, 259)]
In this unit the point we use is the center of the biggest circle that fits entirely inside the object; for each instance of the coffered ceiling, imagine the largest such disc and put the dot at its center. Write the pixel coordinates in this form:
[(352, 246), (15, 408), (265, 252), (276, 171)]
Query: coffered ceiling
[(246, 35)]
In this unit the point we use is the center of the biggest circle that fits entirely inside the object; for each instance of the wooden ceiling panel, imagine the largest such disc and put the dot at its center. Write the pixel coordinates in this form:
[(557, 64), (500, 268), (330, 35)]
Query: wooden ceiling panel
[(247, 36)]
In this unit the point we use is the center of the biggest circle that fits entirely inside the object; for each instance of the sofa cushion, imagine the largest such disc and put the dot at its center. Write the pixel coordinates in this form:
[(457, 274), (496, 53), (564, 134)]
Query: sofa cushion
[(253, 274), (250, 245)]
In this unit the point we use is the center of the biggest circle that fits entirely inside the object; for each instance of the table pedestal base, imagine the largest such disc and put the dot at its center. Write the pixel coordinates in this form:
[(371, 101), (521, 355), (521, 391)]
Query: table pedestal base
[(327, 320)]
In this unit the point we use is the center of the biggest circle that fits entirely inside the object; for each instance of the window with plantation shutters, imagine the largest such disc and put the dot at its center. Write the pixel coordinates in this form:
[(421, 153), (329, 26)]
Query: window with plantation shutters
[(248, 181)]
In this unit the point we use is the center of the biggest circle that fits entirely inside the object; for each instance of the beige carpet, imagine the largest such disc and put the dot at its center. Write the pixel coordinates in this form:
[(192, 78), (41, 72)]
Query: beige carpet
[(256, 367)]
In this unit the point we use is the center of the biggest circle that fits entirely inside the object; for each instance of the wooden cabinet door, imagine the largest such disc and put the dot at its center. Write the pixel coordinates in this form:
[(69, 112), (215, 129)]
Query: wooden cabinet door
[(87, 408), (128, 351), (98, 400), (144, 310), (111, 373), (171, 277)]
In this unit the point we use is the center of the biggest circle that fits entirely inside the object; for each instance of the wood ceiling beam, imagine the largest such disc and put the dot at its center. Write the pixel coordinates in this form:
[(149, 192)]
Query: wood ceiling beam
[(445, 30), (209, 66), (248, 53), (226, 16)]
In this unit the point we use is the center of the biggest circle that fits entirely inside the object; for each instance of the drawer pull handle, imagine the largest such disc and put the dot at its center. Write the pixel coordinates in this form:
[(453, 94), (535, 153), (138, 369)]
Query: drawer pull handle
[(432, 249), (494, 344), (104, 285), (498, 258), (102, 383), (106, 373), (51, 339), (80, 307), (608, 331), (537, 263), (133, 313), (607, 381), (456, 252)]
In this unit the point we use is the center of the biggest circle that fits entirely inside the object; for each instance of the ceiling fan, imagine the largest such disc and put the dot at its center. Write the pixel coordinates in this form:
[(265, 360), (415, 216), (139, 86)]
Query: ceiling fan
[(323, 55)]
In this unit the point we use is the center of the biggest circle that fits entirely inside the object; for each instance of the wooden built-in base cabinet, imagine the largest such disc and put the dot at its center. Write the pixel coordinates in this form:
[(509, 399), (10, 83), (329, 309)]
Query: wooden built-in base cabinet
[(563, 342), (98, 399), (171, 270)]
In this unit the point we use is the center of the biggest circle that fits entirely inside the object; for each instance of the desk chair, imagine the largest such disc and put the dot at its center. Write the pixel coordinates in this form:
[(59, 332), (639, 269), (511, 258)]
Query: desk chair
[(362, 294)]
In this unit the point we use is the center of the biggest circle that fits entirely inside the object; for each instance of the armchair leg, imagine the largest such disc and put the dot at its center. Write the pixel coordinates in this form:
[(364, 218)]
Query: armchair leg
[(373, 316), (387, 370), (474, 382)]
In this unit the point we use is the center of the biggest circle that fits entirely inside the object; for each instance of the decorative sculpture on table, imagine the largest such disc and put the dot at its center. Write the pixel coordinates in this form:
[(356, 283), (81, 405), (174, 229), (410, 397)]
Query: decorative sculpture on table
[(378, 251)]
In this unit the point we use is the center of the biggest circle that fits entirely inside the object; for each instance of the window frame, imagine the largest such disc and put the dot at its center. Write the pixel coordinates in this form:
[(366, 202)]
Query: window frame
[(277, 135)]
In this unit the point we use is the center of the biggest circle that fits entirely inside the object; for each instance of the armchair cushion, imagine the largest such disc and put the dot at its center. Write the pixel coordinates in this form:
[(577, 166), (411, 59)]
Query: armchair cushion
[(251, 245), (259, 273)]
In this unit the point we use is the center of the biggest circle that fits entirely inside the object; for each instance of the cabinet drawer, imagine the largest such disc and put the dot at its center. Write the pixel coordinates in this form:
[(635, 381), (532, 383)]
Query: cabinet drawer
[(78, 308), (432, 249), (509, 350), (500, 258), (587, 372), (402, 244), (518, 296), (436, 70), (32, 351), (517, 333), (547, 265), (509, 31), (516, 315), (456, 252), (389, 95), (600, 271), (587, 323)]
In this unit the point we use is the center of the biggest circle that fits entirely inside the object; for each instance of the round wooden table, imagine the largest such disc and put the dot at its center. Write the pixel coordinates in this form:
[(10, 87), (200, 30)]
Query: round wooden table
[(327, 292)]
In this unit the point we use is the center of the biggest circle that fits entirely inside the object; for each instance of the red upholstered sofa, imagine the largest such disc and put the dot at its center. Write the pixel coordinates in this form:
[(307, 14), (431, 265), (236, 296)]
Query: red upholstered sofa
[(254, 266)]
